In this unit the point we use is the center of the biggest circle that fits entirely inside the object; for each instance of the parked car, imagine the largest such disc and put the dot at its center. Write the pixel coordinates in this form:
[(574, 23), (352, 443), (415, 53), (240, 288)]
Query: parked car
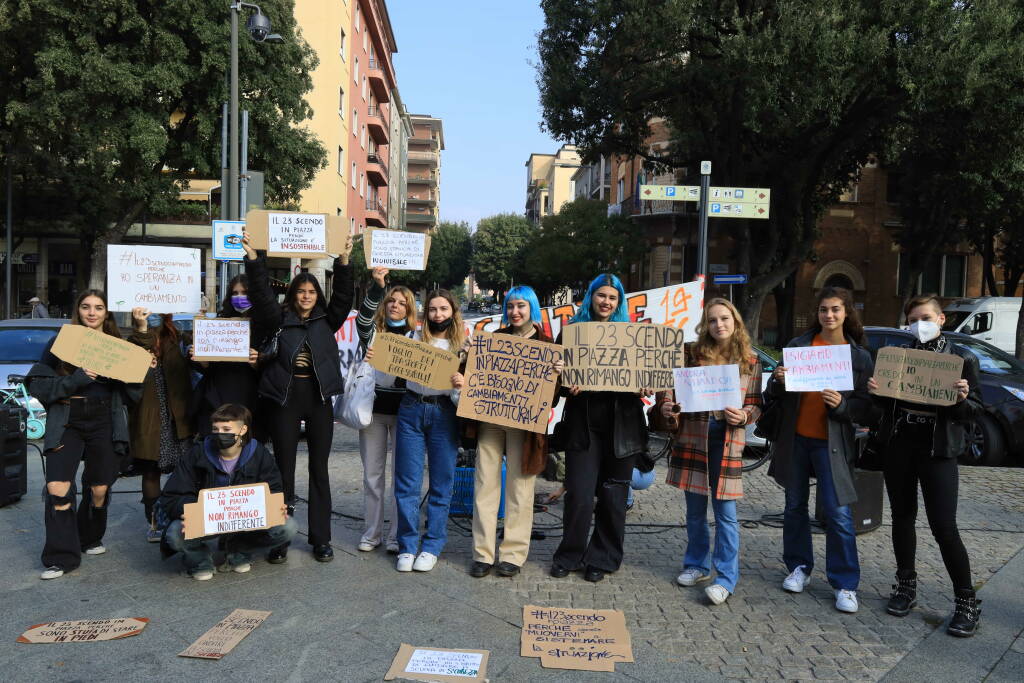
[(989, 318), (755, 444), (1000, 429), (22, 342)]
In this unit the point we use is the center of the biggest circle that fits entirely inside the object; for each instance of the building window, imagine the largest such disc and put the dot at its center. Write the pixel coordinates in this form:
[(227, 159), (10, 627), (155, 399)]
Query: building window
[(620, 190), (362, 137), (341, 48), (355, 122), (355, 70), (362, 184), (946, 276), (341, 102), (351, 226), (364, 87), (354, 168), (365, 36), (850, 195), (355, 21), (341, 161), (339, 211)]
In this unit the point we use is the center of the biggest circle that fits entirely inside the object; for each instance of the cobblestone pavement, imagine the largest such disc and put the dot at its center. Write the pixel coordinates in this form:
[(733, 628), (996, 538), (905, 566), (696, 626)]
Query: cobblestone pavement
[(761, 633)]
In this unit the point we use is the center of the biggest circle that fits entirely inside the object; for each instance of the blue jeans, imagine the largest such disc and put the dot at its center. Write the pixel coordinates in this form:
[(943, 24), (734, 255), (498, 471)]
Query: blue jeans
[(423, 427), (639, 482), (196, 554), (842, 566), (726, 555)]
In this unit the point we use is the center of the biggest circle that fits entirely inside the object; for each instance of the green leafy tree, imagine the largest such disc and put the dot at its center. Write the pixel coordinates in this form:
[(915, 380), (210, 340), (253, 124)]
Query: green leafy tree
[(498, 250), (107, 107), (794, 96), (451, 253)]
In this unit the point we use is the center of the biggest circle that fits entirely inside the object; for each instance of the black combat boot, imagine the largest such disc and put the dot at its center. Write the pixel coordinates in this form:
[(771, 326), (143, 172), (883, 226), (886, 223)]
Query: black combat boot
[(904, 595), (966, 614)]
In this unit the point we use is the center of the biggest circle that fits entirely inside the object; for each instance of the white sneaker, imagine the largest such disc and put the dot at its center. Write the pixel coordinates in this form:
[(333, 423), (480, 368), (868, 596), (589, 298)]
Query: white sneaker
[(716, 593), (691, 577), (202, 574), (796, 581), (424, 562), (392, 547), (51, 573), (846, 601), (366, 546), (95, 550), (405, 562), (243, 568)]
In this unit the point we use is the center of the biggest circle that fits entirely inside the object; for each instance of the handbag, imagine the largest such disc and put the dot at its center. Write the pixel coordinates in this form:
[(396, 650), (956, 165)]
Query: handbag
[(870, 455), (356, 403), (770, 421), (270, 348)]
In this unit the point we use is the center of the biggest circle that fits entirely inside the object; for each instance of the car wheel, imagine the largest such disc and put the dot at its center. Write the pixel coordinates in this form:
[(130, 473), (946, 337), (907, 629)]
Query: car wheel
[(985, 443)]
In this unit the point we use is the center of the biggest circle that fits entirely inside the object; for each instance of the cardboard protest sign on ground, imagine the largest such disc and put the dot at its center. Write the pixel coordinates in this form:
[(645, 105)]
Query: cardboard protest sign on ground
[(918, 376), (220, 339), (438, 664), (621, 356), (816, 368), (296, 235), (105, 355), (84, 631), (708, 387), (509, 381), (414, 360), (162, 279), (229, 509), (582, 639), (228, 633), (396, 249)]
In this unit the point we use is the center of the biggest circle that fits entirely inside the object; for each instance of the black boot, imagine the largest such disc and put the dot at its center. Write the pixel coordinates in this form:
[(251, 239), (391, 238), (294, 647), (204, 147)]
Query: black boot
[(966, 614), (904, 595)]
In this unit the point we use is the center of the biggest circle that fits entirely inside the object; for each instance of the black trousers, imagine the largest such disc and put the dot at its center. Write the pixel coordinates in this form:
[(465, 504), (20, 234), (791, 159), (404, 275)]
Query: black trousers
[(304, 403), (88, 435), (594, 473), (908, 461)]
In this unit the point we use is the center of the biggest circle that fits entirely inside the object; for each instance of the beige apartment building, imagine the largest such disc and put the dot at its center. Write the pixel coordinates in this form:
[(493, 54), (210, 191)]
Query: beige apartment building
[(424, 173), (549, 181)]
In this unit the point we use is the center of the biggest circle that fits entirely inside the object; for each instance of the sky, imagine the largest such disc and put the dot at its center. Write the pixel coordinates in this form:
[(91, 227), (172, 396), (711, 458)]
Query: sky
[(471, 65)]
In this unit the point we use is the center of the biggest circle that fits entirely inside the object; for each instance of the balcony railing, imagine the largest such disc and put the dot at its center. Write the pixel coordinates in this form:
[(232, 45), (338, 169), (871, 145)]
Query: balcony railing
[(374, 204), (377, 158), (423, 156), (374, 63), (374, 110)]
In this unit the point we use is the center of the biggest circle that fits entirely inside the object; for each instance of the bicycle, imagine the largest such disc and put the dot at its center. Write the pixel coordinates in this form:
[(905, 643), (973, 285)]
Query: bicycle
[(17, 395)]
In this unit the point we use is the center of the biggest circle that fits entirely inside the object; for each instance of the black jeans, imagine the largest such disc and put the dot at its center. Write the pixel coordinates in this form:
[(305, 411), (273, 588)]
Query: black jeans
[(595, 472), (88, 435), (907, 462), (304, 403)]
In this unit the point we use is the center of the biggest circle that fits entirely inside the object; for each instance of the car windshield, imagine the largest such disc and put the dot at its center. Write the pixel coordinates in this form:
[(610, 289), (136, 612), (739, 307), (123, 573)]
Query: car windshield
[(24, 344), (954, 319), (992, 360)]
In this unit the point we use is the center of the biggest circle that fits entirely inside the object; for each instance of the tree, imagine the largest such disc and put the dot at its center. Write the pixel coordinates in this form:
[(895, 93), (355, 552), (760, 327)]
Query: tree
[(112, 105), (793, 96), (579, 242), (498, 250)]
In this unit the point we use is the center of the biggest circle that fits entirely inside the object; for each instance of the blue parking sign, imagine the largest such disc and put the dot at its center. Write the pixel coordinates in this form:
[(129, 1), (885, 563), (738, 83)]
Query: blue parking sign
[(670, 191), (716, 208)]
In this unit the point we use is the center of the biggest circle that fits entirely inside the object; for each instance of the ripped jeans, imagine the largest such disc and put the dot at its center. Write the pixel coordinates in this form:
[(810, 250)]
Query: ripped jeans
[(594, 473)]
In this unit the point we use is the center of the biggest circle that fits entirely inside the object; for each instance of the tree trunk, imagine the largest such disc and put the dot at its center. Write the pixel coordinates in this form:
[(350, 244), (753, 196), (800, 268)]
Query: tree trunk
[(114, 235), (785, 304), (988, 262), (1020, 331)]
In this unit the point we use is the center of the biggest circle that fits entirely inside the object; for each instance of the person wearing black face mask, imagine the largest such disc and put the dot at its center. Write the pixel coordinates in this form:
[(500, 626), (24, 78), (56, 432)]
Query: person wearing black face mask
[(226, 457)]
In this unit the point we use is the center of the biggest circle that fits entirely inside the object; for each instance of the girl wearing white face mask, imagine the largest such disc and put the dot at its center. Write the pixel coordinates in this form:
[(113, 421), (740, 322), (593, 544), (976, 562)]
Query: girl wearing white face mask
[(922, 443)]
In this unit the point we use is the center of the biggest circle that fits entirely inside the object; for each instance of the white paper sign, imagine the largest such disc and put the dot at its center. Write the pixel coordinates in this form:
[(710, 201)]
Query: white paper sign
[(299, 232), (398, 250), (708, 387), (227, 240), (816, 368), (220, 339), (443, 663), (162, 279), (240, 509)]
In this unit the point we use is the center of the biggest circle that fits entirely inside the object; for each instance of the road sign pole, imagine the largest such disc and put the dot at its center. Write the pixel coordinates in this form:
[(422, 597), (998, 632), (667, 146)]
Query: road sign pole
[(702, 217)]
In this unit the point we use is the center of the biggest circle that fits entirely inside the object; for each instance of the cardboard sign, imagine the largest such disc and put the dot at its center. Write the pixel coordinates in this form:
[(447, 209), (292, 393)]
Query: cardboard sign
[(816, 368), (396, 249), (105, 355), (296, 235), (220, 339), (437, 664), (621, 356), (230, 509), (582, 639), (162, 279), (708, 387), (229, 632), (414, 360), (509, 381), (84, 631), (918, 376)]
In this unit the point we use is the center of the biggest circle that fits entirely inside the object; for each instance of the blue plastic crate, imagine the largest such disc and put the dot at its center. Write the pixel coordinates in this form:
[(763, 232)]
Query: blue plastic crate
[(462, 493)]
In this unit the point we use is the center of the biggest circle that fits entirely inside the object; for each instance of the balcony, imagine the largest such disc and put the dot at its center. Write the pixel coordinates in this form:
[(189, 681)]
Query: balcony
[(377, 125), (376, 213), (375, 72), (422, 179), (424, 199), (422, 217), (423, 158), (376, 168)]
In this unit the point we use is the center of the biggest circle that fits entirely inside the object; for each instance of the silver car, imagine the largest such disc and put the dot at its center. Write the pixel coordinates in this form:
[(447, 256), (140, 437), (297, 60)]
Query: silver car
[(22, 342)]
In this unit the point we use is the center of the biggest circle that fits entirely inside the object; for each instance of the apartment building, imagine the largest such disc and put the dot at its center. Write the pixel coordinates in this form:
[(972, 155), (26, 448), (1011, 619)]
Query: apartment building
[(549, 181), (398, 187), (424, 172), (593, 181)]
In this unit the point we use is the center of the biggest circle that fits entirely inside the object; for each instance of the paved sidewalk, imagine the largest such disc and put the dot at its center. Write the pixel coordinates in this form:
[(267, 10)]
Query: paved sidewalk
[(345, 620)]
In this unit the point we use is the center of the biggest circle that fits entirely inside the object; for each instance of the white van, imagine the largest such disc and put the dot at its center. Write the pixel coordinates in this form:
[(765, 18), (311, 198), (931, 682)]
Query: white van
[(990, 318)]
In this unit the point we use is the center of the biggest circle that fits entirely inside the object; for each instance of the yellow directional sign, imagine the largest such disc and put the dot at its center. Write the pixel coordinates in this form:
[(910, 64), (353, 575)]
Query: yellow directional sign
[(741, 195), (733, 209), (672, 193)]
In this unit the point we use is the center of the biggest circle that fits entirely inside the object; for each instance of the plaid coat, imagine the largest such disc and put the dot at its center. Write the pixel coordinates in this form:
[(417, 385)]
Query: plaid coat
[(688, 463)]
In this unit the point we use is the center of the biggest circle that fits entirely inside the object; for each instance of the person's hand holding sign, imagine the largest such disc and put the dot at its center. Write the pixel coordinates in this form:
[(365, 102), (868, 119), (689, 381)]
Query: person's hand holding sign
[(872, 385), (378, 276), (779, 375), (962, 389), (139, 318), (254, 357), (343, 256), (831, 398), (250, 253), (736, 417), (557, 366), (458, 380)]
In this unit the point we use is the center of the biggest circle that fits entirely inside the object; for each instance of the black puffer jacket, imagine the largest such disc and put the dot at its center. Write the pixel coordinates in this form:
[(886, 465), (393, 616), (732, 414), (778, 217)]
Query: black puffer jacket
[(318, 330)]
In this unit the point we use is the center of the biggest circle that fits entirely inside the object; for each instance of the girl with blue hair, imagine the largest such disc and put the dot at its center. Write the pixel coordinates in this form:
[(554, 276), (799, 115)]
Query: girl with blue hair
[(604, 432), (525, 455)]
